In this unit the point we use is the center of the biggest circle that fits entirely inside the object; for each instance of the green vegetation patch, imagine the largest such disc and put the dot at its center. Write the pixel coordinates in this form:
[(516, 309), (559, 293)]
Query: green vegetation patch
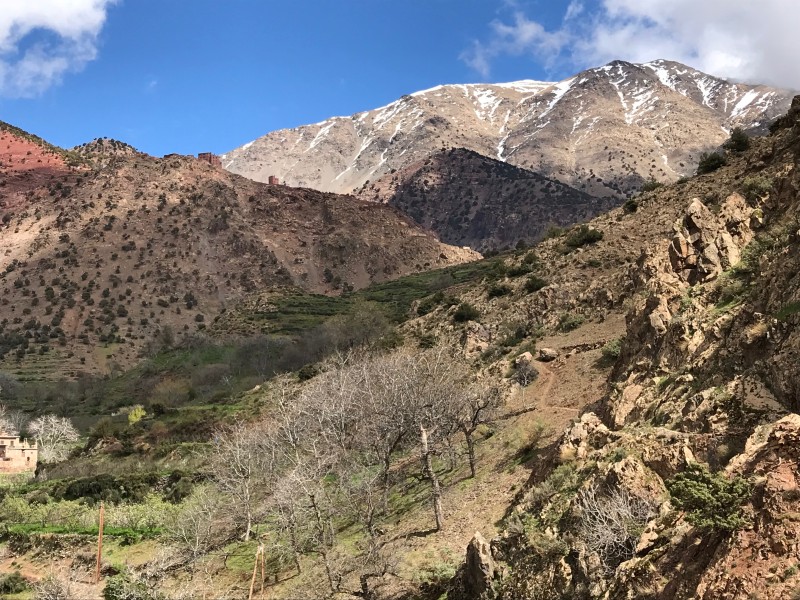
[(710, 162), (711, 500), (582, 236)]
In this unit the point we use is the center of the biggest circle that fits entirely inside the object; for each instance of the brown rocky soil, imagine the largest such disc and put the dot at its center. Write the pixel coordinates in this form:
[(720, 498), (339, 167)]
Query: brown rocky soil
[(113, 254)]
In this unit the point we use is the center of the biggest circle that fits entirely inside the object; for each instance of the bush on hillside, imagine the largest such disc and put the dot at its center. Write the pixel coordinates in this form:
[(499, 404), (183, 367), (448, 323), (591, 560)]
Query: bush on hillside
[(13, 583), (534, 284), (495, 291), (569, 322), (755, 188), (650, 185), (466, 312), (739, 140), (583, 235), (710, 500), (710, 162)]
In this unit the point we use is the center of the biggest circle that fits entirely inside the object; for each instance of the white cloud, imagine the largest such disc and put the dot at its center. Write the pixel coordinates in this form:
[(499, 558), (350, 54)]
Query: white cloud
[(521, 37), (751, 41), (42, 40)]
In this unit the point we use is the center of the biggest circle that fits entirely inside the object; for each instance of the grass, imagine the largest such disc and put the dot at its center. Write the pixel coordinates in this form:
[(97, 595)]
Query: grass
[(787, 310)]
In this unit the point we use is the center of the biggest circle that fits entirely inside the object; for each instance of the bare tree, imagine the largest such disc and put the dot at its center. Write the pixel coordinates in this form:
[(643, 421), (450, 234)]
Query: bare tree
[(433, 384), (479, 407), (6, 426), (239, 467), (202, 522), (17, 419), (53, 587), (54, 435)]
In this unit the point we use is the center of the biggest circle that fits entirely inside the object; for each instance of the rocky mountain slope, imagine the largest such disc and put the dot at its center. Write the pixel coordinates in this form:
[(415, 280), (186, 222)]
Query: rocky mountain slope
[(639, 441), (100, 257), (471, 200), (680, 479), (606, 129)]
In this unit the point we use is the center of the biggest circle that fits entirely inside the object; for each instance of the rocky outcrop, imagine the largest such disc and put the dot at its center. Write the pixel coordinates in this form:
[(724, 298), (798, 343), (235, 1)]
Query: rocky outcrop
[(706, 244), (476, 576)]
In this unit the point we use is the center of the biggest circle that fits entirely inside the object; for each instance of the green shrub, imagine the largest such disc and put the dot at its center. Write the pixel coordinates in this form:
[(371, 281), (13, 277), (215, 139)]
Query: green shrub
[(427, 340), (630, 206), (568, 322), (534, 284), (531, 259), (429, 304), (13, 583), (583, 235), (651, 185), (128, 586), (755, 188), (739, 140), (495, 291), (612, 349), (519, 270), (466, 312), (787, 310), (711, 501), (554, 231), (710, 162)]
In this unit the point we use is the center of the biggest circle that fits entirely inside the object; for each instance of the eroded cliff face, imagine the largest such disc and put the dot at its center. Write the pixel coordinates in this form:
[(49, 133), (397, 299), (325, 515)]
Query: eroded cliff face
[(706, 375)]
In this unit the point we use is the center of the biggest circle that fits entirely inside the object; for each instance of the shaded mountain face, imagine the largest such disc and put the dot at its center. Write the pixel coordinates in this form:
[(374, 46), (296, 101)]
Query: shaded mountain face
[(605, 130), (471, 200), (115, 254)]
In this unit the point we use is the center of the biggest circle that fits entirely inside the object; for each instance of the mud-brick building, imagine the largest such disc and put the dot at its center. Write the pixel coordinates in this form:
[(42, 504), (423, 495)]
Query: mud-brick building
[(17, 455), (210, 158)]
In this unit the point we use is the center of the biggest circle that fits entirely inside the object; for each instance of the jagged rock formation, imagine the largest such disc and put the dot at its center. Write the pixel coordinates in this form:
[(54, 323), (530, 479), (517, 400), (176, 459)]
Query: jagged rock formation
[(604, 130), (471, 200), (117, 252)]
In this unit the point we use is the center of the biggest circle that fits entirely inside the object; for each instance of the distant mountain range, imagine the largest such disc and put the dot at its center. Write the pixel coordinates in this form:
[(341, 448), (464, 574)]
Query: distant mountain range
[(604, 130)]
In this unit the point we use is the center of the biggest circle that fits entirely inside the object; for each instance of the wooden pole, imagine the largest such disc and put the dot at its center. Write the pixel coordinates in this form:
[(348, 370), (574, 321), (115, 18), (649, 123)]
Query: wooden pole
[(253, 579), (99, 544), (263, 569)]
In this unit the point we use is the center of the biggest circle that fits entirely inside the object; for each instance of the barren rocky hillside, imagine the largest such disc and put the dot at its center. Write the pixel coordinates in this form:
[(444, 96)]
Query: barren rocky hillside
[(99, 258), (471, 200), (606, 129)]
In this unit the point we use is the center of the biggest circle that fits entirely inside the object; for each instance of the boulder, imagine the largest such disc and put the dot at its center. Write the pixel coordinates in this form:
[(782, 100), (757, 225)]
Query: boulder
[(547, 354), (525, 357)]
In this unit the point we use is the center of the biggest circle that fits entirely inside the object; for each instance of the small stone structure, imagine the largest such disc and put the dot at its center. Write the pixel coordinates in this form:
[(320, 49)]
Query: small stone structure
[(17, 455), (210, 158), (273, 180)]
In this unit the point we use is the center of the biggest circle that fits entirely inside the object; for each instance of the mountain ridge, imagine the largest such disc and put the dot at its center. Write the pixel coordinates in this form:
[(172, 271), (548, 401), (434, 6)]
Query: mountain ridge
[(659, 117)]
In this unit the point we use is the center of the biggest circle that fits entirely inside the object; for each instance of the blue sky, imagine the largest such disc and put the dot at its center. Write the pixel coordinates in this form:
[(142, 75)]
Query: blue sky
[(196, 75), (209, 75)]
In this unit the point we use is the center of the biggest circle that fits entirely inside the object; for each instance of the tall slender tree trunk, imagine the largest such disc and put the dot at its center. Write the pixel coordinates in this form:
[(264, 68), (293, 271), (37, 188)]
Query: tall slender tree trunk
[(427, 471), (470, 449), (323, 544), (385, 481), (293, 539)]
